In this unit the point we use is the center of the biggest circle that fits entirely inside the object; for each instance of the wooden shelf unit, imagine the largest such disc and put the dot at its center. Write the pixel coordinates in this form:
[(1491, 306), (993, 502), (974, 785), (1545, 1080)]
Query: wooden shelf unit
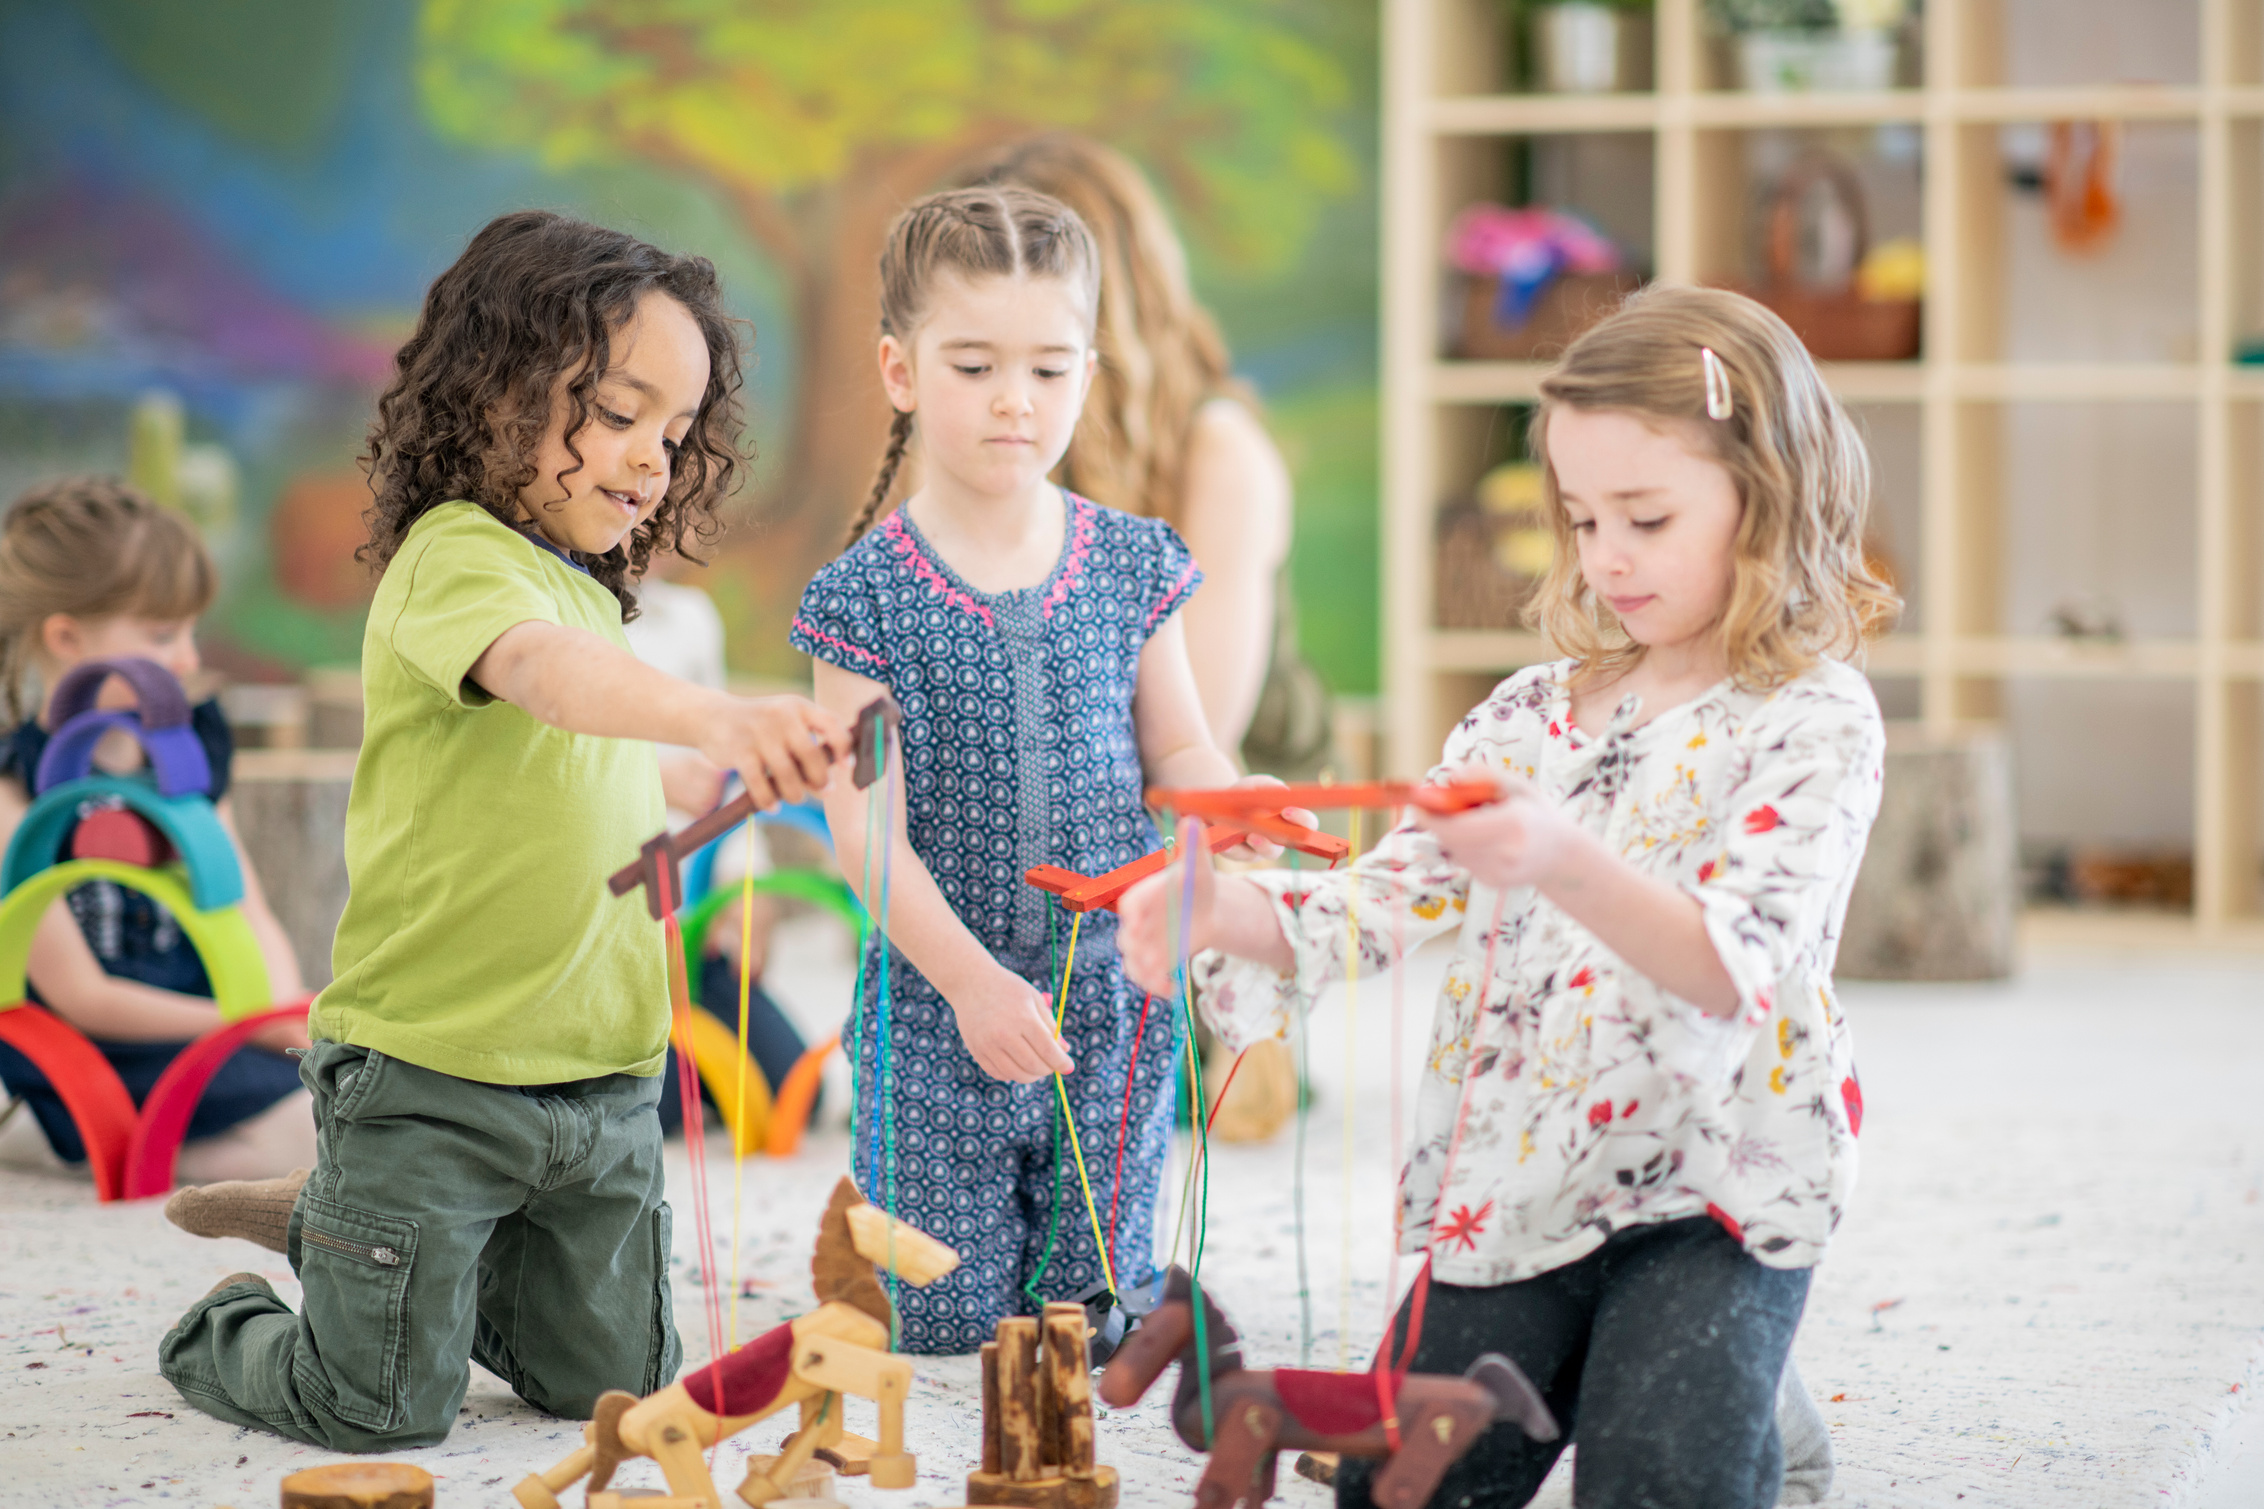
[(1443, 96)]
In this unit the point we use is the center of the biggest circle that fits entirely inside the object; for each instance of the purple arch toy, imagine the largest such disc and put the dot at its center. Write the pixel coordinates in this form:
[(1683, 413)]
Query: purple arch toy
[(176, 755)]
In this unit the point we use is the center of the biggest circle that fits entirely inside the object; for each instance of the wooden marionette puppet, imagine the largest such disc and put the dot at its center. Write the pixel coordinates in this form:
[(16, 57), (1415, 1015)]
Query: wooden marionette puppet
[(812, 1361), (1243, 1417)]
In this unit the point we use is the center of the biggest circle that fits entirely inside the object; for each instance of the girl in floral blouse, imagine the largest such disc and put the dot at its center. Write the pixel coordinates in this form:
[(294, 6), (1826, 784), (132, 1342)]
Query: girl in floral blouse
[(1636, 1131)]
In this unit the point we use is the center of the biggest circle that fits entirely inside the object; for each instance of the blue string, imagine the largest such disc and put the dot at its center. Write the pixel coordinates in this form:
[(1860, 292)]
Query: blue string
[(887, 1054)]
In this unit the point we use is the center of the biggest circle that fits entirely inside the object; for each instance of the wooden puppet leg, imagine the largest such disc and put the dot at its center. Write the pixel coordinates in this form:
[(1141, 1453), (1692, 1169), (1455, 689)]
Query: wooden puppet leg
[(677, 1449), (771, 1477), (1244, 1441), (1428, 1446)]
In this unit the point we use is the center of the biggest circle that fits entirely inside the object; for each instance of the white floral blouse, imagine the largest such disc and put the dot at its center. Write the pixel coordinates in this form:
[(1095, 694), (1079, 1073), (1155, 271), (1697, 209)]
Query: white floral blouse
[(1570, 1097)]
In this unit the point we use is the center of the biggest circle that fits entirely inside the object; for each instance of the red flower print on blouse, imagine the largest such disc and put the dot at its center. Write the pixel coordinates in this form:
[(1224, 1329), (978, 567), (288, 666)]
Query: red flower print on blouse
[(1466, 1225), (1709, 870), (1852, 1094), (1628, 1110), (1556, 730), (1582, 980), (1729, 1222), (1762, 819), (1599, 1113)]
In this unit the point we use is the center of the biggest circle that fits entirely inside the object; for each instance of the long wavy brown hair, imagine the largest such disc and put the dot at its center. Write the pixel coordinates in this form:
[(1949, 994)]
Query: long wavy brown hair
[(1162, 357), (1800, 588), (519, 326)]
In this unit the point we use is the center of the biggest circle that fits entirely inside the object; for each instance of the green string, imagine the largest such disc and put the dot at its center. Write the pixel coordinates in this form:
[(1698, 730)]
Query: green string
[(1202, 1148), (1297, 1176)]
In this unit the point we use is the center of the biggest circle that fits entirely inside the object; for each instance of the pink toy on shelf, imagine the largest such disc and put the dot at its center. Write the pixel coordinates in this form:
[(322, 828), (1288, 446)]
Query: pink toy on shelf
[(1525, 248)]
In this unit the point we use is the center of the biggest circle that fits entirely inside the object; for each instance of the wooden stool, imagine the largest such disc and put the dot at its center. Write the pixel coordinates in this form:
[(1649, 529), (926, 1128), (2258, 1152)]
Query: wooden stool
[(1939, 891), (359, 1485)]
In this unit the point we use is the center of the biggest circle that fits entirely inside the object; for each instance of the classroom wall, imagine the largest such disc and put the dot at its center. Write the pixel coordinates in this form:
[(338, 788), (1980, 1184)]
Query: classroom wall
[(240, 205)]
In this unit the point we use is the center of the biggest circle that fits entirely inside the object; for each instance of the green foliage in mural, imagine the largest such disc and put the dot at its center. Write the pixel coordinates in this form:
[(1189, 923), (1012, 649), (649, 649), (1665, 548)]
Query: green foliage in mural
[(818, 119)]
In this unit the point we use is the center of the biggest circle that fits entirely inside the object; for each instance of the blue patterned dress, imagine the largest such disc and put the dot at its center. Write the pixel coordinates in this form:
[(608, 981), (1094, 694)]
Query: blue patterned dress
[(1019, 750)]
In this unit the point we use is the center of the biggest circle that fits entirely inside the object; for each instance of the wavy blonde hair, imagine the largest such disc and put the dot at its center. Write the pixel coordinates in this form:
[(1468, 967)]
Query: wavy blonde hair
[(1800, 588), (1162, 357)]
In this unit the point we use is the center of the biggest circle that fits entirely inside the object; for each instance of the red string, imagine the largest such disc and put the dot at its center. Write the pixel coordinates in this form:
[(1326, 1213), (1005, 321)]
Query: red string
[(1124, 1125), (695, 1125)]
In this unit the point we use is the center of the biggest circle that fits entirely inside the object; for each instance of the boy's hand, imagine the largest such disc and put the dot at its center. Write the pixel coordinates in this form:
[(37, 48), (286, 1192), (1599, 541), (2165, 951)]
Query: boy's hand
[(1007, 1024), (1147, 934), (782, 747), (1519, 840)]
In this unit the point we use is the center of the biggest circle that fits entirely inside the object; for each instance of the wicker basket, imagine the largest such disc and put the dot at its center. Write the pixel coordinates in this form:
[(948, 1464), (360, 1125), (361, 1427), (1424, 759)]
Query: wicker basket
[(1561, 312), (1836, 324)]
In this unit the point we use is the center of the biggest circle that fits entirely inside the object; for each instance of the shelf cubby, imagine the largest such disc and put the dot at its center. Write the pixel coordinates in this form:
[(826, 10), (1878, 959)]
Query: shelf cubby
[(2075, 425)]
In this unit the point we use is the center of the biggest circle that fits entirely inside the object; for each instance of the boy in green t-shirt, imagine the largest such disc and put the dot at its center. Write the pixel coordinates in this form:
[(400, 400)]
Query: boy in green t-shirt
[(486, 1063)]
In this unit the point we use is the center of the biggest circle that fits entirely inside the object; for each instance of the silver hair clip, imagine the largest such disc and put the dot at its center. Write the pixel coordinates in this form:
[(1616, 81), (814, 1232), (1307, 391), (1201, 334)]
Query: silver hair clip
[(1718, 405)]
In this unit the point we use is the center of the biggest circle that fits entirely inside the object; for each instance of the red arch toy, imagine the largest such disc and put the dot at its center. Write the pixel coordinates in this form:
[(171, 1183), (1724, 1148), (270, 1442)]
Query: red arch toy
[(89, 1087), (156, 1144)]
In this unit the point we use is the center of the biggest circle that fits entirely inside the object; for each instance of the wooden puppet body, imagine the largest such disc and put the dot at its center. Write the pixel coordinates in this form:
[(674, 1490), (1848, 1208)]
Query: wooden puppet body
[(840, 1348), (1261, 1412)]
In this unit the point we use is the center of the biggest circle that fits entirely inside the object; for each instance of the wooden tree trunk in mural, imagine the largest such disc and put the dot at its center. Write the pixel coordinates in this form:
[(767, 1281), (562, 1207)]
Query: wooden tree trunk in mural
[(830, 241)]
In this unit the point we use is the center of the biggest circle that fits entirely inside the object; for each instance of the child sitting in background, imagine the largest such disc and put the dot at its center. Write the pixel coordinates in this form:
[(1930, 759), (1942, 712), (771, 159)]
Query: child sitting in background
[(485, 1065), (90, 569)]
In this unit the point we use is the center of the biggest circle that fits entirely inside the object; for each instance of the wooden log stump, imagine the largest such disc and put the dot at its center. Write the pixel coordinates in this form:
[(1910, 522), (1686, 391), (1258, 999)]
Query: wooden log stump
[(290, 808), (359, 1485), (1939, 892), (1038, 1428)]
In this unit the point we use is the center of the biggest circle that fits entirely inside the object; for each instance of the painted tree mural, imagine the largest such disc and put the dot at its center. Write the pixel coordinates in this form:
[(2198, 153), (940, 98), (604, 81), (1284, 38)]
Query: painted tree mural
[(816, 120)]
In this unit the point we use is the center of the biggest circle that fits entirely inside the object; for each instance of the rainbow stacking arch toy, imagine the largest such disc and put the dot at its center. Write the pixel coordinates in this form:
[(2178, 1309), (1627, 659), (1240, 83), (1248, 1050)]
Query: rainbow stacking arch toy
[(156, 833)]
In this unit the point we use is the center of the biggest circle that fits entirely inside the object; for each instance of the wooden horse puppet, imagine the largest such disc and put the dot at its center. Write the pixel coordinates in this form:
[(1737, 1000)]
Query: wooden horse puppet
[(1434, 1418), (839, 1348)]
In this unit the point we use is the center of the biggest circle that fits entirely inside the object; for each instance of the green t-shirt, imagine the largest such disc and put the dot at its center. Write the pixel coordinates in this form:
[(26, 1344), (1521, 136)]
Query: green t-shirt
[(479, 938)]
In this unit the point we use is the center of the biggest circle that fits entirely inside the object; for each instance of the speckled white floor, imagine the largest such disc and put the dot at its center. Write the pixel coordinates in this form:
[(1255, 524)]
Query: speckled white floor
[(2050, 1290)]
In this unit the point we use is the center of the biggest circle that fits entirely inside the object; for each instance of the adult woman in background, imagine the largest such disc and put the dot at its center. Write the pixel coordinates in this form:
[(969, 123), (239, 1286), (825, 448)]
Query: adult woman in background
[(1169, 433)]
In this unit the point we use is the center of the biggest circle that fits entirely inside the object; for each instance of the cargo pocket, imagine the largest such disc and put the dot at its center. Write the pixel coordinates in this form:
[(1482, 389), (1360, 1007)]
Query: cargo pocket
[(355, 1265), (666, 1355)]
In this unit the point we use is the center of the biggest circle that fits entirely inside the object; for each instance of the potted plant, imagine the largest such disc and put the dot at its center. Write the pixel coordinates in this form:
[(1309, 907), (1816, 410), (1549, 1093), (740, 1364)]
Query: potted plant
[(1584, 46), (1785, 45)]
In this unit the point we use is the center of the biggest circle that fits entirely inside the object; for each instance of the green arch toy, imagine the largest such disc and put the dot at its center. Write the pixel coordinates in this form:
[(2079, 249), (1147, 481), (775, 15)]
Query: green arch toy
[(188, 823), (221, 937)]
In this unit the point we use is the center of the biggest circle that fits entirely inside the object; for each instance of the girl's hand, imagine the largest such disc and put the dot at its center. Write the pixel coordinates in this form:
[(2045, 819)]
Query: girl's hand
[(1007, 1024), (784, 748), (1519, 840), (1147, 934), (1252, 846), (282, 1035)]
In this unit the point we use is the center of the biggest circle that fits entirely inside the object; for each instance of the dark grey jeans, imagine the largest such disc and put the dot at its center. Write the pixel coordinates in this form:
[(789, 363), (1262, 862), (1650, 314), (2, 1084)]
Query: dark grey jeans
[(1660, 1354), (448, 1219)]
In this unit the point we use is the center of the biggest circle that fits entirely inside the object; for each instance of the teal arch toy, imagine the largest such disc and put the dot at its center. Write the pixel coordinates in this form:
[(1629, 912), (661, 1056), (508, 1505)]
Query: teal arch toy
[(189, 823), (221, 937)]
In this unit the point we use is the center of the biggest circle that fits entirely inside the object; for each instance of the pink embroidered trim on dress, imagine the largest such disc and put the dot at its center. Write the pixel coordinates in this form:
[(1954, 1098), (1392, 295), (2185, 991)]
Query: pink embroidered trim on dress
[(900, 539), (1073, 571), (842, 645), (1171, 595)]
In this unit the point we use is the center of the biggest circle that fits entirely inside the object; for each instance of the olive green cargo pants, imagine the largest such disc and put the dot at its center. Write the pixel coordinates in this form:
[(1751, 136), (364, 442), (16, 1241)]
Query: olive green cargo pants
[(448, 1219)]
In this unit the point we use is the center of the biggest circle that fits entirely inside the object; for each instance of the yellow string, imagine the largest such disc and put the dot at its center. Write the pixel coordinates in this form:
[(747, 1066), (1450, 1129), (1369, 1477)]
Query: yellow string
[(1351, 1068), (739, 1095), (1084, 1181)]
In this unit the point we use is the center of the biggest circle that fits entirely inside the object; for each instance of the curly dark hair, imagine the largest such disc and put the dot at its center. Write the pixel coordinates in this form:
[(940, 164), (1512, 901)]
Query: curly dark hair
[(528, 310)]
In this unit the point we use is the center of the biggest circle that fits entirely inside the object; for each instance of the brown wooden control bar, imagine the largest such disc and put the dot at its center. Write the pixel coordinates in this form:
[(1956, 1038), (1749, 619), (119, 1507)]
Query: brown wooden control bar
[(670, 848)]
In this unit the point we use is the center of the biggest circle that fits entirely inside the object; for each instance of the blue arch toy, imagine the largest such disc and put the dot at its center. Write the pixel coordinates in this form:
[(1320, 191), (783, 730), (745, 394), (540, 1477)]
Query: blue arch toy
[(188, 823)]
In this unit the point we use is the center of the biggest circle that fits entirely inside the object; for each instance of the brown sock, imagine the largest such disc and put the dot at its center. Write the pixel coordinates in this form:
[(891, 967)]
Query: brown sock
[(258, 1210), (233, 1279)]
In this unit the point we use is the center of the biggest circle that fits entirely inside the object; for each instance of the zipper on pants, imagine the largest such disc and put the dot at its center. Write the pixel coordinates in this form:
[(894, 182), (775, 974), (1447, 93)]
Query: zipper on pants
[(383, 1256)]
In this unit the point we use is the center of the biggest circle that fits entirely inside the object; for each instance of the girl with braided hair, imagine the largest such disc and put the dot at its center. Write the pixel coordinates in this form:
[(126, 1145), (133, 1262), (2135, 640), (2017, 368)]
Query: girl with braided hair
[(1032, 638)]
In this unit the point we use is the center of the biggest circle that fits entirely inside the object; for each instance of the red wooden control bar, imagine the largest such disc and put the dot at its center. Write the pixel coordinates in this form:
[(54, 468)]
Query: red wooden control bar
[(1238, 803), (1091, 893)]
